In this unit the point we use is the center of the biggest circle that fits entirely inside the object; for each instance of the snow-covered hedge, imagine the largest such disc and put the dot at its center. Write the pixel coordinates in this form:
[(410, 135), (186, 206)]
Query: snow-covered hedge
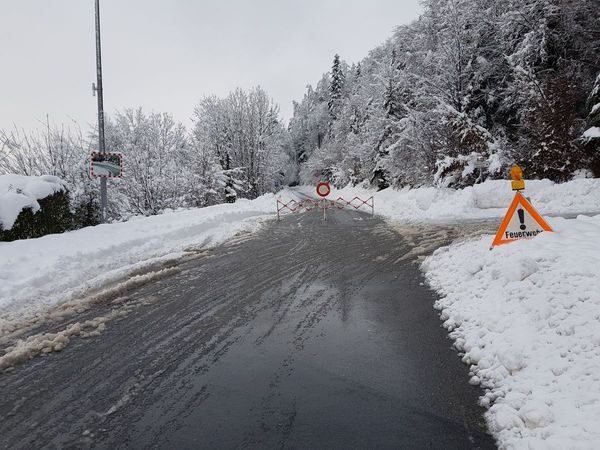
[(32, 206)]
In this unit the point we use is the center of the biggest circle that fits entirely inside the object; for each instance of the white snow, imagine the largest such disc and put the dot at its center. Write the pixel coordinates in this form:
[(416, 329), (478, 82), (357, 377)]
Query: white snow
[(39, 274), (20, 191), (487, 200), (592, 133), (527, 317)]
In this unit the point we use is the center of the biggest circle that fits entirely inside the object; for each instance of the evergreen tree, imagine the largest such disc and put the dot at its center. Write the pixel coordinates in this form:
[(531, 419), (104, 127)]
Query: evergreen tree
[(336, 87), (391, 101), (458, 96), (591, 137), (593, 106)]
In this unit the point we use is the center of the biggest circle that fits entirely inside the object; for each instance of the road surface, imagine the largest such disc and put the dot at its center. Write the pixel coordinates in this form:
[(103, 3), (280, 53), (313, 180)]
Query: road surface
[(106, 168), (308, 334)]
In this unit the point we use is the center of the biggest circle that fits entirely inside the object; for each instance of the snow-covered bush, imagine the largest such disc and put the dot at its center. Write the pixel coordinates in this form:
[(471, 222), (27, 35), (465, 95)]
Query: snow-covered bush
[(33, 206), (60, 152)]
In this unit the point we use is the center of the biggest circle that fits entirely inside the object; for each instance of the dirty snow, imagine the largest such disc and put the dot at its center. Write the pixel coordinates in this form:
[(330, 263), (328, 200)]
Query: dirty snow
[(39, 274), (527, 318), (20, 191)]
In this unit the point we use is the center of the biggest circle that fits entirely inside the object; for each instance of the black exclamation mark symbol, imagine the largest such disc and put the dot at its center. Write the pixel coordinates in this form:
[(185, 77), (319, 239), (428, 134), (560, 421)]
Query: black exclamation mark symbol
[(522, 218)]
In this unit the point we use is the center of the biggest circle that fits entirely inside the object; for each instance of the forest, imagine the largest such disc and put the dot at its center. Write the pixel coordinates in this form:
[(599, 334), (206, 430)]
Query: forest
[(459, 95), (452, 99)]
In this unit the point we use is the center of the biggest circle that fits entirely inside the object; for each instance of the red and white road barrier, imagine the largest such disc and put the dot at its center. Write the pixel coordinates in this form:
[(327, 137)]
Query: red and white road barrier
[(294, 206), (356, 203)]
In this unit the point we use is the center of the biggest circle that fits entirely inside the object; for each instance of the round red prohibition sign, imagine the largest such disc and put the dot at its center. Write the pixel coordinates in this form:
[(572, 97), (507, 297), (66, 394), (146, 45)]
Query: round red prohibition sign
[(323, 189)]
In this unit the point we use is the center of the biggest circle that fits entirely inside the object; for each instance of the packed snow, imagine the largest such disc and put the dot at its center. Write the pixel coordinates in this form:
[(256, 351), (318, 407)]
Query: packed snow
[(20, 191), (592, 133), (39, 274)]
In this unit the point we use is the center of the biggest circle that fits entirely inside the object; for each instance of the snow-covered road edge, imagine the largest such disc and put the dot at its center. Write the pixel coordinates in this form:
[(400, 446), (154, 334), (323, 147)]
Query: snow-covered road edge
[(527, 318), (37, 275), (488, 200)]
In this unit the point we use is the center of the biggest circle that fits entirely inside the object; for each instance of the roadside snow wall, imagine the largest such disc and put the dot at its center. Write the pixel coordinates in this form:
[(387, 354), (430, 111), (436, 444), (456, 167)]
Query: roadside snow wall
[(488, 200), (37, 275), (526, 317)]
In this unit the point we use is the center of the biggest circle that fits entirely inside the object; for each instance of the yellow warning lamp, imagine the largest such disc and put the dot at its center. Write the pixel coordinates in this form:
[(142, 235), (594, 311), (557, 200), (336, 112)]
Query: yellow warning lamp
[(516, 173)]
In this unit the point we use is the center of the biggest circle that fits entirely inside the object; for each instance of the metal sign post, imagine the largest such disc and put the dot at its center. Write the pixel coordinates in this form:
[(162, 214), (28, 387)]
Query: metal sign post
[(98, 90), (323, 190), (522, 221)]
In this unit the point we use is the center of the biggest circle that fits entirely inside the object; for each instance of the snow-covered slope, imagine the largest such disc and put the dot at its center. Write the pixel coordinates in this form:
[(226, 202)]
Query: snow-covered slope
[(37, 274), (487, 200)]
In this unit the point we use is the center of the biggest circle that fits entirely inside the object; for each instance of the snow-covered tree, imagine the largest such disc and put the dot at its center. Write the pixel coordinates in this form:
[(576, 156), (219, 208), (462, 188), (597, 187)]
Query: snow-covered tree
[(458, 96), (244, 134), (336, 87), (155, 152), (590, 139), (55, 150)]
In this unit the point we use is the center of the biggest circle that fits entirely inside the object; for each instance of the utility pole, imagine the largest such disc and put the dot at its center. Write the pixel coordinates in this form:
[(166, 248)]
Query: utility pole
[(98, 90)]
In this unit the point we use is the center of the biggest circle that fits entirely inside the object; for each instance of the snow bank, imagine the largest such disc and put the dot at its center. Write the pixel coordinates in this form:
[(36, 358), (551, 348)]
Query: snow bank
[(488, 200), (37, 274), (527, 317), (592, 133), (19, 191)]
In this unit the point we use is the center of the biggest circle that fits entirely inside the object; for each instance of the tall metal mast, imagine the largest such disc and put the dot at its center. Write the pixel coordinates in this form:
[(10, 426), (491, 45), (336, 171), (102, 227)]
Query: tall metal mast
[(98, 88)]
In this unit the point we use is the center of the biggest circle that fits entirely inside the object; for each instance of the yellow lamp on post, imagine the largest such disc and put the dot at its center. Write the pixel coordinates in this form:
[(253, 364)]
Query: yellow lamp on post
[(516, 173)]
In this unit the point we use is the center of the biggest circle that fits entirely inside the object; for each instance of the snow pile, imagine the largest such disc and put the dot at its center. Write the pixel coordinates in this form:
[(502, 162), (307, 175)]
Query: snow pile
[(20, 191), (483, 201), (37, 274), (592, 133), (527, 317)]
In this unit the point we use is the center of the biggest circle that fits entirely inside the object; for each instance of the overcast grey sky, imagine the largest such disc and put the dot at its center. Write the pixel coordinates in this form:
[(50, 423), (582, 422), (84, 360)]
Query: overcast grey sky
[(165, 55)]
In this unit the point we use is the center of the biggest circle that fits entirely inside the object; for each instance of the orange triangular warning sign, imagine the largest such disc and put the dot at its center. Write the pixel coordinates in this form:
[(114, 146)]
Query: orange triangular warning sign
[(522, 221)]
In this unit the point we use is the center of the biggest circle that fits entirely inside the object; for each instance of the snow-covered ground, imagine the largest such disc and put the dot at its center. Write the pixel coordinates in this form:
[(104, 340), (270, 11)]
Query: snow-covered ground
[(526, 315), (39, 274), (487, 200)]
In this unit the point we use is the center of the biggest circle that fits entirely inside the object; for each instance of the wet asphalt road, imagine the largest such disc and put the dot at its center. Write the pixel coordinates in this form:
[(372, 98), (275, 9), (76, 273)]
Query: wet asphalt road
[(308, 334)]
